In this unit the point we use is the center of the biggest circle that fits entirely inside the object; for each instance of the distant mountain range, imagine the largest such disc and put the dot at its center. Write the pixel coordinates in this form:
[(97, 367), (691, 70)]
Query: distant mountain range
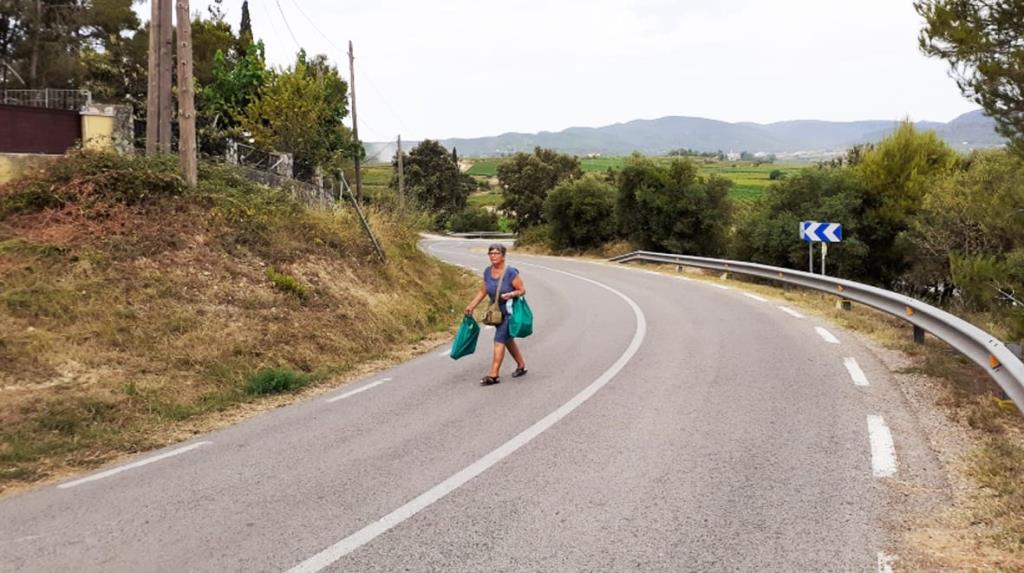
[(795, 139)]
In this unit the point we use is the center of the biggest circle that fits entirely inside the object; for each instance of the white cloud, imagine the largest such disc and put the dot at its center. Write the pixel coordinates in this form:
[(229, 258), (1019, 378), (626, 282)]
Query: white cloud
[(462, 68)]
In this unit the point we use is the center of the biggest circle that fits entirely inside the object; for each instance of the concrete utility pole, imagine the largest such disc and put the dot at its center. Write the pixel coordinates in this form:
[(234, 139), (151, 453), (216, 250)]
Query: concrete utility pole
[(186, 102), (401, 179), (166, 45), (153, 88), (355, 124)]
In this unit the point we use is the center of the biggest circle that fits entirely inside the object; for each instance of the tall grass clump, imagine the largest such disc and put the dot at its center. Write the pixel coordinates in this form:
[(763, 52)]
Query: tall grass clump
[(275, 381)]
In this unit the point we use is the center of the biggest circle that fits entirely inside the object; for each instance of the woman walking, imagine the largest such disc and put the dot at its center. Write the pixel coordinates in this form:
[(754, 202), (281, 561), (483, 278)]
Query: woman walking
[(511, 287)]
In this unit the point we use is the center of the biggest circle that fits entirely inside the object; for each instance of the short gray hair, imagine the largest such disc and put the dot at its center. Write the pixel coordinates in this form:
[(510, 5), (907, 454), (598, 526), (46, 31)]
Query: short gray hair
[(497, 247)]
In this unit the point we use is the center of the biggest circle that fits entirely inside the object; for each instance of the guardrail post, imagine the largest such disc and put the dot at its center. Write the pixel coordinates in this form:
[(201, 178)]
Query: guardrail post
[(918, 334), (844, 304)]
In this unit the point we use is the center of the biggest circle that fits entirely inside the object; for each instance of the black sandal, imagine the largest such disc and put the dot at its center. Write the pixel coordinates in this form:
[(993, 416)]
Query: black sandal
[(489, 380), (519, 372)]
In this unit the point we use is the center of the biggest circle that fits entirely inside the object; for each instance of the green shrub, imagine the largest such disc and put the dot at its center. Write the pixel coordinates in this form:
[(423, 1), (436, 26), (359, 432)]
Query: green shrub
[(275, 381), (535, 236), (473, 219), (286, 283), (673, 208), (580, 213), (88, 177)]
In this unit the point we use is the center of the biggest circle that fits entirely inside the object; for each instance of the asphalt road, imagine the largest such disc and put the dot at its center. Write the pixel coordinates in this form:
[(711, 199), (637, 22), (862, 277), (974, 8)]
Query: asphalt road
[(664, 425)]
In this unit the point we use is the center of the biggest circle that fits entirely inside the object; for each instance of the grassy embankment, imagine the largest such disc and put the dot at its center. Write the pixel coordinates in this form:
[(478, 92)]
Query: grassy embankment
[(134, 312)]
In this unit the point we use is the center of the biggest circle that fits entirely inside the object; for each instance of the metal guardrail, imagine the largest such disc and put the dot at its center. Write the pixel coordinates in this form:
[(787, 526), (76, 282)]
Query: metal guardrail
[(483, 235), (981, 347)]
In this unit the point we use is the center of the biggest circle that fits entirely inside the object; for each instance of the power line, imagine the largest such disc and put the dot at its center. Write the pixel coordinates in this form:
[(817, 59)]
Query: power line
[(286, 25), (373, 85)]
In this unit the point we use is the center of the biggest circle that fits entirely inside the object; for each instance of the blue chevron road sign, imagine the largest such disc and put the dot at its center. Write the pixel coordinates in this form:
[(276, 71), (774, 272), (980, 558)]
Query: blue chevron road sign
[(824, 232)]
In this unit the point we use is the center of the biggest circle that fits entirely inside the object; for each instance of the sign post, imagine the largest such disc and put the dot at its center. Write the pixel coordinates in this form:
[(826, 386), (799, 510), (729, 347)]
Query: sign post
[(824, 233)]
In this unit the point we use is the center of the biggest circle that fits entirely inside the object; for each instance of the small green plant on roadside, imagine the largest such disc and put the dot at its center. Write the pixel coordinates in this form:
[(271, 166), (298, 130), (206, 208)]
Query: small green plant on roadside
[(275, 381), (286, 283)]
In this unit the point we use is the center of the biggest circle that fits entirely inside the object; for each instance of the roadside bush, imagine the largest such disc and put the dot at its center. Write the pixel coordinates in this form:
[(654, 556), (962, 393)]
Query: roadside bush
[(767, 231), (672, 208), (90, 177), (536, 236), (473, 219), (526, 180), (581, 213), (969, 236), (275, 381)]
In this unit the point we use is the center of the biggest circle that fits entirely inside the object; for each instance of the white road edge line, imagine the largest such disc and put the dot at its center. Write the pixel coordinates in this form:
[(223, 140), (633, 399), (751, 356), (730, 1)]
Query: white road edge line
[(885, 562), (883, 453), (790, 312), (723, 287), (446, 352), (358, 390), (349, 544), (855, 372), (132, 465), (826, 335), (755, 297)]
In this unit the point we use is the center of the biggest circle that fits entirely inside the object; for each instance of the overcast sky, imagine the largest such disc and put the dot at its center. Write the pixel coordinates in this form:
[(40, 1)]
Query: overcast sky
[(462, 68)]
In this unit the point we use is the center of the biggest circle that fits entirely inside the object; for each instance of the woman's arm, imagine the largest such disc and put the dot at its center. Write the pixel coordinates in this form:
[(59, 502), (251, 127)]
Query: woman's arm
[(476, 299), (520, 289)]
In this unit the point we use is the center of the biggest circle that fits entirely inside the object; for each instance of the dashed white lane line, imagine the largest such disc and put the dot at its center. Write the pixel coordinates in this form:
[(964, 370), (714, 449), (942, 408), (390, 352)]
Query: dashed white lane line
[(790, 312), (755, 297), (358, 390), (855, 372), (133, 465), (356, 540), (885, 562), (826, 335), (883, 453)]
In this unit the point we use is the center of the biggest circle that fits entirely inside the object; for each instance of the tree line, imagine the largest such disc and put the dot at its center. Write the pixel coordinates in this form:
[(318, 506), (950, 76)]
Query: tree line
[(102, 46)]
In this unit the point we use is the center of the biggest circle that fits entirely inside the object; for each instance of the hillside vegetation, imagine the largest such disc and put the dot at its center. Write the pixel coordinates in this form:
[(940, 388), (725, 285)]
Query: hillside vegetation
[(132, 308)]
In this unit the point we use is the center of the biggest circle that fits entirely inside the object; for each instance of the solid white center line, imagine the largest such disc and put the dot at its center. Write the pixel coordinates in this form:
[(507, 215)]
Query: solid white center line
[(755, 297), (133, 465), (790, 312), (883, 453), (826, 335), (358, 390), (349, 544), (855, 372)]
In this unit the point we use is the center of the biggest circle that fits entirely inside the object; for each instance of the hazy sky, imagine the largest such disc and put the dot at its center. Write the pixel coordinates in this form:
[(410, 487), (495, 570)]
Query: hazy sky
[(461, 68)]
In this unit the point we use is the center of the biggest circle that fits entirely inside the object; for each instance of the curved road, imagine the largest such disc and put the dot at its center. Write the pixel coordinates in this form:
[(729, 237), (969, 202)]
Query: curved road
[(664, 425)]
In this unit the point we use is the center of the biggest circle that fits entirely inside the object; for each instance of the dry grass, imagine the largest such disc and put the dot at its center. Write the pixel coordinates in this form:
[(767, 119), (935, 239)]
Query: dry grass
[(127, 325)]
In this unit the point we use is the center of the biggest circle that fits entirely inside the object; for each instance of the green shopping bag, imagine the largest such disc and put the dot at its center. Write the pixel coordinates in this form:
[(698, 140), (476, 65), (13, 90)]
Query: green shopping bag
[(465, 338), (520, 322)]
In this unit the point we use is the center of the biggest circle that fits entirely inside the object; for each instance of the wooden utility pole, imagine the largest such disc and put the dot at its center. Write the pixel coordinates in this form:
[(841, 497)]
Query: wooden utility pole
[(355, 124), (186, 102), (153, 88), (401, 179), (166, 41)]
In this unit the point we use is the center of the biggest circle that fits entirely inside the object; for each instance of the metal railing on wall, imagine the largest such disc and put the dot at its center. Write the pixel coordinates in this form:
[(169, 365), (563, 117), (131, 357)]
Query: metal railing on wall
[(74, 100), (982, 348)]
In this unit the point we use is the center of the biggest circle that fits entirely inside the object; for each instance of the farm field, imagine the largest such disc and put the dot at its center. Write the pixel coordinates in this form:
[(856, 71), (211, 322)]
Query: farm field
[(749, 179)]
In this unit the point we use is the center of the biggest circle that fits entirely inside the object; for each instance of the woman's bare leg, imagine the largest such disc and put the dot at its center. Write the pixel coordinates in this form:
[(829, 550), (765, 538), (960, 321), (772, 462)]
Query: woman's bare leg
[(514, 349), (499, 355)]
